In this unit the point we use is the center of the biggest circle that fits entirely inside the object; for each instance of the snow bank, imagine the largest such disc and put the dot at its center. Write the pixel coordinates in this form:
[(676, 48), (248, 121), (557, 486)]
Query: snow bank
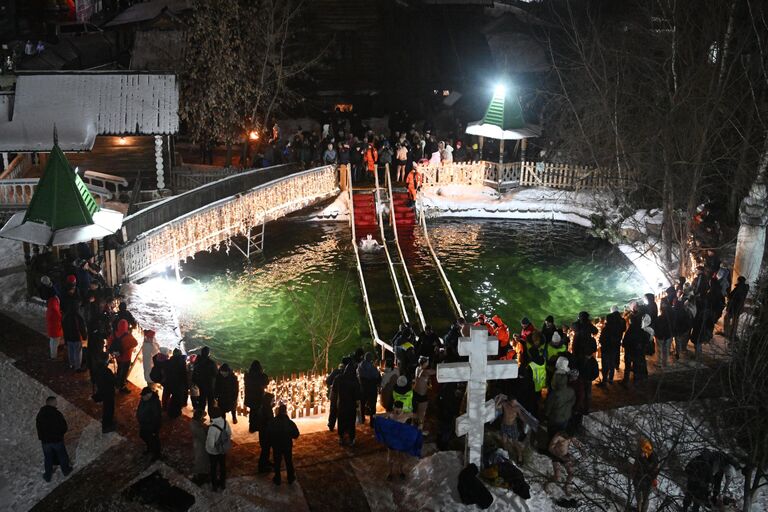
[(21, 474), (519, 204), (337, 210), (540, 203), (13, 286)]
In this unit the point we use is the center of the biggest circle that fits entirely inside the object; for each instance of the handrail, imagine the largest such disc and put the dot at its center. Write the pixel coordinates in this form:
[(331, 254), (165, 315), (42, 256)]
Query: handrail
[(363, 288), (440, 271), (408, 281), (400, 301)]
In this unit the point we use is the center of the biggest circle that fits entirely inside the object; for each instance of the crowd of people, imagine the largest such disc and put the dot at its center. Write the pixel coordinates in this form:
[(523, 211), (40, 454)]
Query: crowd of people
[(368, 152), (558, 365)]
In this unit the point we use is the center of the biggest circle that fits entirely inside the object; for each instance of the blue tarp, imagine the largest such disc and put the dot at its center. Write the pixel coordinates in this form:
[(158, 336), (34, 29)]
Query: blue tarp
[(398, 436)]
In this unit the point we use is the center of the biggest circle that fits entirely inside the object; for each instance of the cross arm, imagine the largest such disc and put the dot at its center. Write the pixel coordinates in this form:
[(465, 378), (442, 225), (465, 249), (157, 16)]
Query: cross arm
[(452, 372)]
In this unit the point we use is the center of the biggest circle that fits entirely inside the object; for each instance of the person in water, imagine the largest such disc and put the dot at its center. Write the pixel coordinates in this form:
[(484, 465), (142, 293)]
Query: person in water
[(368, 244)]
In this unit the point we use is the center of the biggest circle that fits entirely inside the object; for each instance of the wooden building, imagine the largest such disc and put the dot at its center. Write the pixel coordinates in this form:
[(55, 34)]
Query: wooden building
[(118, 123)]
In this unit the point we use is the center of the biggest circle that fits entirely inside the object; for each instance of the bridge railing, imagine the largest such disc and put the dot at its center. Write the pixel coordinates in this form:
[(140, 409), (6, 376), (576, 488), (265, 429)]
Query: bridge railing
[(215, 223), (174, 207), (190, 177)]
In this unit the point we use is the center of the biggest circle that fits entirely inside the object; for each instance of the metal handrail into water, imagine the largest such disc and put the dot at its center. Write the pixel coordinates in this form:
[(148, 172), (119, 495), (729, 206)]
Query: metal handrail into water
[(393, 221), (392, 273), (363, 288), (440, 271)]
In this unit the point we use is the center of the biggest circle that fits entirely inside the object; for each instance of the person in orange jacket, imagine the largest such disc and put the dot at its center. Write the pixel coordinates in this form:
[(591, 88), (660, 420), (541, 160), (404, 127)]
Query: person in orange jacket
[(506, 350), (122, 345), (481, 321), (370, 157), (414, 181)]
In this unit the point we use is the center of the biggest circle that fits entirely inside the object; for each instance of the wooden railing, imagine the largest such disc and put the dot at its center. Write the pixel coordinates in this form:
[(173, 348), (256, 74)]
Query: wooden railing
[(253, 199), (16, 194), (524, 174), (18, 166), (470, 173), (105, 181)]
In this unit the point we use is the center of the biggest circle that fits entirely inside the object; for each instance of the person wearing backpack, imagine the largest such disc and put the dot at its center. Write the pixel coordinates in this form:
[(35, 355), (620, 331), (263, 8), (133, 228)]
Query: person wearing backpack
[(149, 415), (217, 445)]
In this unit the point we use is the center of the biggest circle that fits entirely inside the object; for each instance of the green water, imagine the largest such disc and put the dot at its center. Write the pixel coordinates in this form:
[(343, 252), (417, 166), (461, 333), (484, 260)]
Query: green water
[(302, 292), (532, 269), (305, 289)]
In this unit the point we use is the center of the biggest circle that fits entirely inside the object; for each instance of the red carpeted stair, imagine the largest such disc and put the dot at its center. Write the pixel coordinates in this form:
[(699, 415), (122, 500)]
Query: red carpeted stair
[(404, 214), (365, 210)]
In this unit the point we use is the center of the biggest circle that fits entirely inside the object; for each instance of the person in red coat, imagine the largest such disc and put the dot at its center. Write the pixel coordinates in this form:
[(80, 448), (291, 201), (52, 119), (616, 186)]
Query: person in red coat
[(122, 346), (53, 324)]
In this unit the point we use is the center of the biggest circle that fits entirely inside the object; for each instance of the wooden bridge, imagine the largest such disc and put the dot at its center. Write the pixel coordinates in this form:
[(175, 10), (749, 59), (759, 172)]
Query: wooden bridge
[(211, 215)]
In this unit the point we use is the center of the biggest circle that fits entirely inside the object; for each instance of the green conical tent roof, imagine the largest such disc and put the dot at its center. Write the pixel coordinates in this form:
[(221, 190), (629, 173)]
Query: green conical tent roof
[(61, 199), (503, 119), (504, 111)]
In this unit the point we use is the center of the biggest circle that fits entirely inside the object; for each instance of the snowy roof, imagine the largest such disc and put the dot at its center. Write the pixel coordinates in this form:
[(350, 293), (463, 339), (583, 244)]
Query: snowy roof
[(147, 11), (84, 105)]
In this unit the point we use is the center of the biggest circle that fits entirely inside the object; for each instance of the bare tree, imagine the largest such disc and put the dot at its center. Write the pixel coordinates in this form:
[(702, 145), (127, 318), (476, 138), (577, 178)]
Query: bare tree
[(662, 94), (243, 58), (323, 324)]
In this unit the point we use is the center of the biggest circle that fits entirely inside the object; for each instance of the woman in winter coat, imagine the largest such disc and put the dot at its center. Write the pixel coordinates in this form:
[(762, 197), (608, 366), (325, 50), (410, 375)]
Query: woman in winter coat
[(369, 378), (199, 431), (226, 391), (53, 325), (665, 325), (149, 417), (122, 345), (255, 382), (174, 373), (610, 344), (634, 350), (148, 350), (346, 393), (560, 400), (75, 332)]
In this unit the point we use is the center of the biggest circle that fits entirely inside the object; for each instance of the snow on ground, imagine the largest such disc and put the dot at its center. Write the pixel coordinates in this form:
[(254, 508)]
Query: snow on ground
[(517, 204), (13, 286), (151, 303), (21, 474), (242, 494), (337, 210)]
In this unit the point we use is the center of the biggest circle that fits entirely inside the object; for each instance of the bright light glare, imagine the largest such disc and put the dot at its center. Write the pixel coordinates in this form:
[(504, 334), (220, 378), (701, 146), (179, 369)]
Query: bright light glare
[(254, 135), (499, 90)]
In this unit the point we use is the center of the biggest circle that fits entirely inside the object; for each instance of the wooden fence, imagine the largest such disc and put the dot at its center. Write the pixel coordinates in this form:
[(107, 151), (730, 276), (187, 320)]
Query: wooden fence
[(16, 194), (17, 167), (524, 174)]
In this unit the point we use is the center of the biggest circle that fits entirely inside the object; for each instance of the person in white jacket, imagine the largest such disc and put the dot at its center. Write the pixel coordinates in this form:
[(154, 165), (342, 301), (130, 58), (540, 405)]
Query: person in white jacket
[(149, 348), (217, 449)]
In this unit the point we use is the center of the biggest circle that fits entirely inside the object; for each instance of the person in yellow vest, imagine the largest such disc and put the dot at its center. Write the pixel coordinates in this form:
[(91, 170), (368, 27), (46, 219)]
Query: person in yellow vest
[(557, 346), (403, 392)]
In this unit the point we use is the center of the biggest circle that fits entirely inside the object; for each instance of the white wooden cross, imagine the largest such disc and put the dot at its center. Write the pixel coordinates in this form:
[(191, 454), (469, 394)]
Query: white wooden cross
[(476, 373)]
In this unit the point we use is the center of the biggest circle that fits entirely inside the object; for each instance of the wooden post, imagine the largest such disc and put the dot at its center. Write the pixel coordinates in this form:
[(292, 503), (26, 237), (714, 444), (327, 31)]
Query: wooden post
[(480, 145)]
